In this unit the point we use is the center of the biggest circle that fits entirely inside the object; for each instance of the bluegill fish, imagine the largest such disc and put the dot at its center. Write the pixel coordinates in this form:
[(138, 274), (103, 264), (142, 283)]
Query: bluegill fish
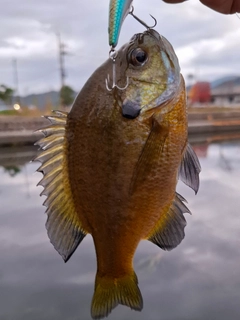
[(118, 10), (112, 163)]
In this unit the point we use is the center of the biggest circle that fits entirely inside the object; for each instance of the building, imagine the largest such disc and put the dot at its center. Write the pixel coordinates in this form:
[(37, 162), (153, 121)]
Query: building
[(222, 91), (226, 91), (200, 92)]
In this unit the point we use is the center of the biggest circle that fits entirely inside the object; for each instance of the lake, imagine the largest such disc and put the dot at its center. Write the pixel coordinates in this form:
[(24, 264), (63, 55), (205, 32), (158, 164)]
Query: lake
[(198, 280)]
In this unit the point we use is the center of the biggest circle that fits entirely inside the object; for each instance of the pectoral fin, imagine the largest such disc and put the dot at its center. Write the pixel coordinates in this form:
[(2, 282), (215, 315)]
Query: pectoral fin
[(190, 168), (63, 226), (169, 231), (150, 155)]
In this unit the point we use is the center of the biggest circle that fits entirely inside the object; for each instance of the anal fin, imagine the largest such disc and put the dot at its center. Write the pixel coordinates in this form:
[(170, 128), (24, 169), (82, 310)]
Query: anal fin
[(190, 168), (169, 231)]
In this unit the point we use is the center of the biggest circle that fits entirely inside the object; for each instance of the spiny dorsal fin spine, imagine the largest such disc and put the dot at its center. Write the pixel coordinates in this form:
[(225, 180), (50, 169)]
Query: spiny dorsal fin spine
[(47, 142), (55, 197), (53, 128), (49, 153), (47, 178), (52, 185), (54, 161), (62, 114), (56, 119)]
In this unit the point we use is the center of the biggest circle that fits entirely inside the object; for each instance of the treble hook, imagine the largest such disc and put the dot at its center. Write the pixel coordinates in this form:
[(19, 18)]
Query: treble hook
[(113, 56), (142, 22)]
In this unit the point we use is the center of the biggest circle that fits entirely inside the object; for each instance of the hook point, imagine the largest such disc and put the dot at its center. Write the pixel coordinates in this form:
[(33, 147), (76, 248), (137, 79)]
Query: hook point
[(142, 22)]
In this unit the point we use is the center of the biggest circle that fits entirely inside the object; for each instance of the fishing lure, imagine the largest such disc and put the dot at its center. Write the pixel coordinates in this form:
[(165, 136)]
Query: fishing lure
[(118, 10)]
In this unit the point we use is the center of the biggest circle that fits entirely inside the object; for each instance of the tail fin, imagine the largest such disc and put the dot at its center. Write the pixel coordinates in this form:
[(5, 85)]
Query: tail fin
[(109, 292)]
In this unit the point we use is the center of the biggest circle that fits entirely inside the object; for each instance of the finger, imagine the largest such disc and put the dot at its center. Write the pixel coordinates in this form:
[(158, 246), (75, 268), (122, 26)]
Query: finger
[(174, 1), (223, 6)]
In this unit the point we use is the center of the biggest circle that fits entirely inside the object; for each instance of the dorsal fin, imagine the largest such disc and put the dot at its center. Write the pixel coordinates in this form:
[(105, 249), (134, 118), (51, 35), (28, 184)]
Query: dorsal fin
[(190, 168), (169, 231), (63, 226)]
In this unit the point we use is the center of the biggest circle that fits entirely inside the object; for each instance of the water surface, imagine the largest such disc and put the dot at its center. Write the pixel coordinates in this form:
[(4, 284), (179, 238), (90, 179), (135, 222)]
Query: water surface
[(198, 280)]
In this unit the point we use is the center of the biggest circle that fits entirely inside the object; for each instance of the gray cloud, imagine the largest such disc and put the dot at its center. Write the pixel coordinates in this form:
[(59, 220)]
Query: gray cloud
[(28, 33)]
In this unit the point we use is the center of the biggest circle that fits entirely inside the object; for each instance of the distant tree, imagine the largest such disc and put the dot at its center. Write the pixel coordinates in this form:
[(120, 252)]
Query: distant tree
[(12, 170), (66, 95), (6, 94)]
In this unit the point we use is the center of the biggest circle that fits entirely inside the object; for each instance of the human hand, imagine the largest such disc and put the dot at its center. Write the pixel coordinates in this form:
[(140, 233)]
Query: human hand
[(222, 6)]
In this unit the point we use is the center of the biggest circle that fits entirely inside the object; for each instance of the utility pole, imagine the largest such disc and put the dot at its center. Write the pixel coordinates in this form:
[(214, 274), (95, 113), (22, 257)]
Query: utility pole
[(62, 52), (16, 83)]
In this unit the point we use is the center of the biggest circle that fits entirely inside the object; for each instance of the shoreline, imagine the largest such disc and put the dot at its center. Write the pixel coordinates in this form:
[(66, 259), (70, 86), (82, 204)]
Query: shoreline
[(19, 130)]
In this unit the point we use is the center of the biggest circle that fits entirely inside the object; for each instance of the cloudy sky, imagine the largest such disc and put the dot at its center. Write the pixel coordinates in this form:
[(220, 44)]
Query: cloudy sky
[(207, 43)]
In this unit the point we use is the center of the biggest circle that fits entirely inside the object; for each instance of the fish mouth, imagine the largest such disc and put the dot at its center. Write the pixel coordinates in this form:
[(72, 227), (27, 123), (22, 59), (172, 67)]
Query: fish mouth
[(139, 36), (130, 110)]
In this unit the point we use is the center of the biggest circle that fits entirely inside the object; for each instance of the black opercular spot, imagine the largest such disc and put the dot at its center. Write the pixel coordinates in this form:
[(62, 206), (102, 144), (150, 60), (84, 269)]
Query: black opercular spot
[(130, 110)]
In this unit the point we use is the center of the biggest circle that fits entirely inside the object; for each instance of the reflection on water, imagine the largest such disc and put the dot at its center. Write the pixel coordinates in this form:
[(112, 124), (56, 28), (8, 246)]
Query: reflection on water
[(198, 280)]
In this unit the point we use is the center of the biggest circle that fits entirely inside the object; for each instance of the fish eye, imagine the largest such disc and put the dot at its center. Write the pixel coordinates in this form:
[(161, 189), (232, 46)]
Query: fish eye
[(138, 57)]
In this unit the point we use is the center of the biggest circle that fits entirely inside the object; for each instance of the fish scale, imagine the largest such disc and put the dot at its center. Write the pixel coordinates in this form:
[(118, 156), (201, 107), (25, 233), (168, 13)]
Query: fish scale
[(115, 170)]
